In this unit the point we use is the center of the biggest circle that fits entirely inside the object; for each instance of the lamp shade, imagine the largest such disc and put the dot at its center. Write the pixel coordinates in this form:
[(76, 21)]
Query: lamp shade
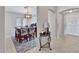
[(27, 15), (46, 25)]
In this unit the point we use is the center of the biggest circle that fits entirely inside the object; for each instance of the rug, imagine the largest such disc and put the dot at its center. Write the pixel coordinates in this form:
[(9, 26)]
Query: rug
[(24, 46)]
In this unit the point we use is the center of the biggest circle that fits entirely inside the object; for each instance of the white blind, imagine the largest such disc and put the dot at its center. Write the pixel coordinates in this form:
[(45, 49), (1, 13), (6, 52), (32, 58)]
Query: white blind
[(72, 23)]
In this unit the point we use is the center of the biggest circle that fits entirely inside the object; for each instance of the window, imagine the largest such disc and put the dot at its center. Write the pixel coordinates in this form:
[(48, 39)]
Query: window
[(18, 22), (72, 23)]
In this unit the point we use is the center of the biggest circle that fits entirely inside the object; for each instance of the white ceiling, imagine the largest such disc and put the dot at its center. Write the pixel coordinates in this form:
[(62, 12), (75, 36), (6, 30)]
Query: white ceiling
[(61, 8), (33, 10), (20, 9)]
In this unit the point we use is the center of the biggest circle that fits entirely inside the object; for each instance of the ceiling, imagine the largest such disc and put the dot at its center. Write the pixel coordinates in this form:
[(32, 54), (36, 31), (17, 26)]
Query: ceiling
[(20, 9), (62, 8)]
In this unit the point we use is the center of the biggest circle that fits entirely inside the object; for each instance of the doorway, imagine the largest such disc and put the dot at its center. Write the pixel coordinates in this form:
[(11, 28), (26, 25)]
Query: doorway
[(52, 23)]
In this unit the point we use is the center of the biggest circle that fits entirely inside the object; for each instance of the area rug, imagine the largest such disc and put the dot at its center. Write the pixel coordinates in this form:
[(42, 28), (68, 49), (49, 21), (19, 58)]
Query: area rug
[(24, 46)]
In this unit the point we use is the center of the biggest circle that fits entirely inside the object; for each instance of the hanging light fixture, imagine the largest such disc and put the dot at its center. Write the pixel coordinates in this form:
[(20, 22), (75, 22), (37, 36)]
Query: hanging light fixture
[(27, 15)]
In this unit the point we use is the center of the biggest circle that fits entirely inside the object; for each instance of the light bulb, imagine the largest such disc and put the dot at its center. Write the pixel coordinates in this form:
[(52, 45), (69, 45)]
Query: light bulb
[(70, 11)]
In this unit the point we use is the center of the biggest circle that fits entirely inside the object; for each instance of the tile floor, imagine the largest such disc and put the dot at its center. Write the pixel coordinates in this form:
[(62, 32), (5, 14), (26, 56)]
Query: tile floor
[(70, 44)]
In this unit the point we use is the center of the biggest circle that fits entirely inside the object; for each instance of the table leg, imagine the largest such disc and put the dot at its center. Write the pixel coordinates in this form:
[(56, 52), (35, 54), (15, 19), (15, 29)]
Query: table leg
[(40, 43), (49, 39)]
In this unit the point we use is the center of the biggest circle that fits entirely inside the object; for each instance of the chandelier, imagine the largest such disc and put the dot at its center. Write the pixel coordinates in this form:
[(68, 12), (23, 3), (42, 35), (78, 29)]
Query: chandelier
[(27, 15)]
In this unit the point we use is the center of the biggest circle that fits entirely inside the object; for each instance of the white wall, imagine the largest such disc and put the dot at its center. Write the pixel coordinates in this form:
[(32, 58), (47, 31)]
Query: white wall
[(2, 27), (42, 18), (60, 29), (21, 10), (52, 22), (10, 23)]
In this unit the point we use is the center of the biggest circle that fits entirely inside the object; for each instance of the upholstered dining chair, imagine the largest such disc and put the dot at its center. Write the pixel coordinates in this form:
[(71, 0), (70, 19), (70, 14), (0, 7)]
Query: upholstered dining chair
[(18, 35)]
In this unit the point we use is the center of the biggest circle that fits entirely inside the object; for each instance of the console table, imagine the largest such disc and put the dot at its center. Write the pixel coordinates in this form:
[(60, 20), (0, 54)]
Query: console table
[(44, 34)]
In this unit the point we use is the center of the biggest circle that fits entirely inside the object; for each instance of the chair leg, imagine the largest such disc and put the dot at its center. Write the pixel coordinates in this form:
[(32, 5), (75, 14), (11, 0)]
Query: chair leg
[(49, 43), (40, 49)]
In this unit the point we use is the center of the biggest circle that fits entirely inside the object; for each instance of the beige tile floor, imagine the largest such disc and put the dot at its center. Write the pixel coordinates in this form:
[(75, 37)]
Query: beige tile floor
[(70, 44), (9, 46)]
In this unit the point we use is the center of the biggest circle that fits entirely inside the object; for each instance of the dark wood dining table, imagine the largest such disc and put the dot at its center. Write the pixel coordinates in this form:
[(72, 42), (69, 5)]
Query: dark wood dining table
[(20, 35)]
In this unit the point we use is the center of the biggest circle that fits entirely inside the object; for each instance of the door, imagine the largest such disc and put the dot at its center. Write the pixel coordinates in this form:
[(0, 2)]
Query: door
[(52, 23)]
